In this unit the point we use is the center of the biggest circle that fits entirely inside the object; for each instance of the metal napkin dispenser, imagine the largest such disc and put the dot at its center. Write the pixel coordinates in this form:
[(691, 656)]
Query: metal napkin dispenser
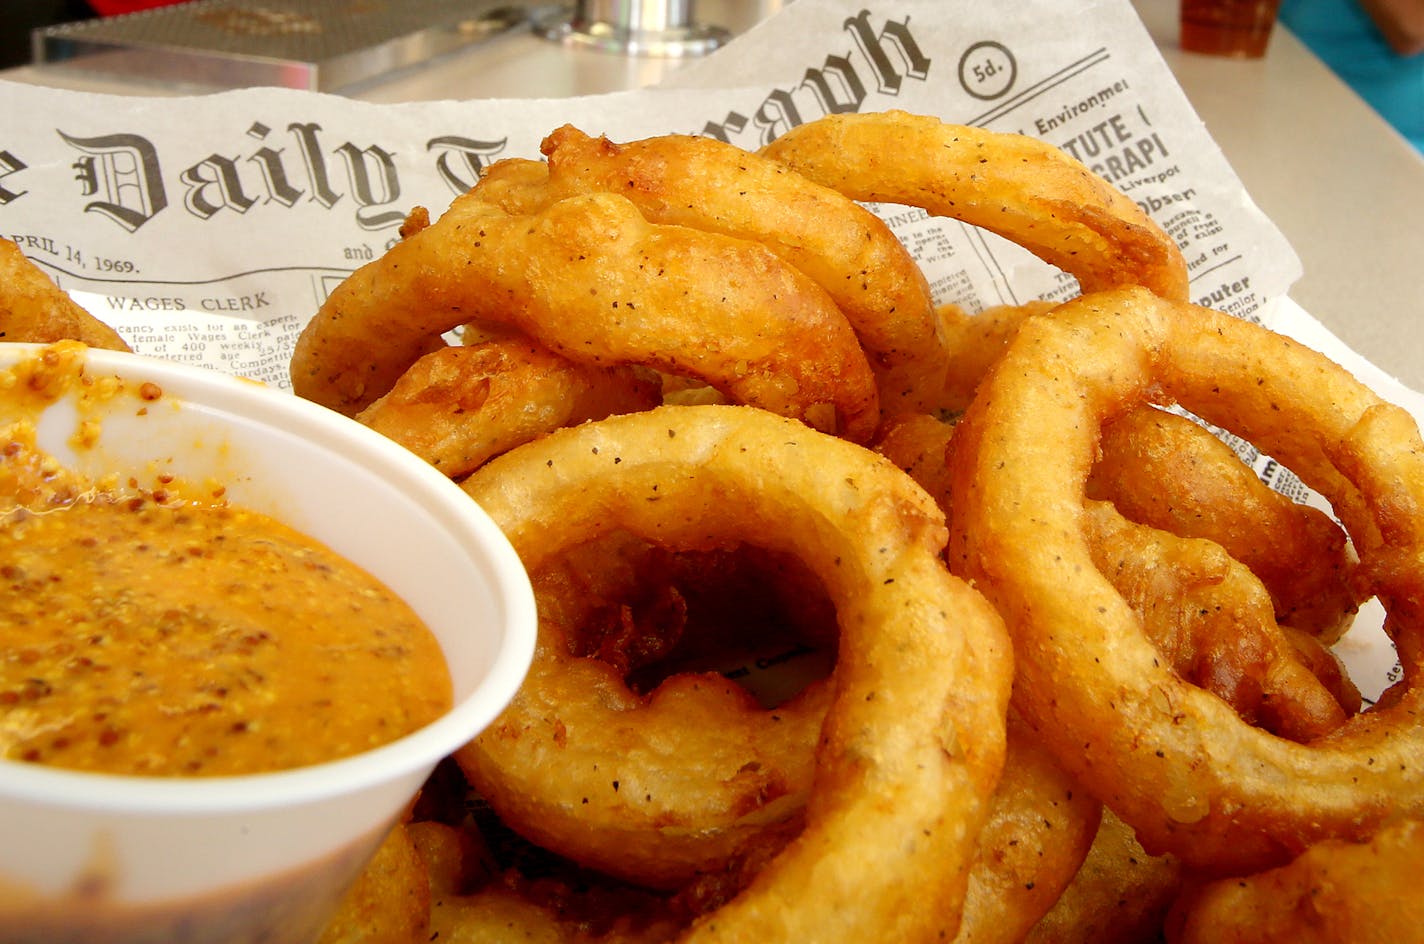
[(319, 45)]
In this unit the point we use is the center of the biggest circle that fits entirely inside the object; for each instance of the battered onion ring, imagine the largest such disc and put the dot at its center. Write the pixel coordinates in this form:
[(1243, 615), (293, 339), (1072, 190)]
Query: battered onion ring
[(1040, 830), (975, 342), (1119, 896), (1203, 610), (1174, 761), (707, 184), (592, 280), (1040, 822), (1214, 623), (1336, 892), (1018, 187), (912, 743), (1164, 470), (33, 308), (458, 406)]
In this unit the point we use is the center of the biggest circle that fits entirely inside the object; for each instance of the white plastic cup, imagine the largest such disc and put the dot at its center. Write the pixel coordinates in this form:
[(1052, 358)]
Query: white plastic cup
[(224, 858)]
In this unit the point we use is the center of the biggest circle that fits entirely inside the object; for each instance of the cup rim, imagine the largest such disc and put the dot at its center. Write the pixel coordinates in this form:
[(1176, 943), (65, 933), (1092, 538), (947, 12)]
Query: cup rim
[(424, 747)]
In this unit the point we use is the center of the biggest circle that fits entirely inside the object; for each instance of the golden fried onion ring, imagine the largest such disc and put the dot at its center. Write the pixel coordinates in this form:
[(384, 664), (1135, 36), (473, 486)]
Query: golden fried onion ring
[(458, 406), (1206, 613), (1119, 896), (706, 184), (33, 308), (1164, 470), (1336, 892), (1213, 622), (1016, 186), (913, 741), (592, 280), (1174, 761)]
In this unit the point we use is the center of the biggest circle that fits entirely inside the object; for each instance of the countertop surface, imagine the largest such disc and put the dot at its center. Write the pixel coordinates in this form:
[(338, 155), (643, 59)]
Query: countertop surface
[(1344, 187)]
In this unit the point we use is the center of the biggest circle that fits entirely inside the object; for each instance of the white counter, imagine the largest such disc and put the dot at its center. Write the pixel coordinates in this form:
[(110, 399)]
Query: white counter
[(1344, 186)]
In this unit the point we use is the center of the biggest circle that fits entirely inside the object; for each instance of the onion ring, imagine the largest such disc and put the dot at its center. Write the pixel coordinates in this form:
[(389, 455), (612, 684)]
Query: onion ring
[(975, 342), (911, 746), (706, 184), (1164, 470), (1214, 623), (458, 406), (1119, 896), (1172, 760), (33, 308), (1016, 186), (1205, 612), (1336, 892), (600, 285)]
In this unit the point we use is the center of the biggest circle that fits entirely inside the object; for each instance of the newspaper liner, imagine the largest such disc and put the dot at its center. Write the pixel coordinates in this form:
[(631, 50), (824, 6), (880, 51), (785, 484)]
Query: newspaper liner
[(209, 229)]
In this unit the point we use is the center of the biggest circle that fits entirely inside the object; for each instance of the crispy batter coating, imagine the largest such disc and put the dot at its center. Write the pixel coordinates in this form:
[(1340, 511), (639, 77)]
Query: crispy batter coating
[(1174, 761), (1018, 187), (592, 280), (33, 308), (1040, 829), (1213, 622), (458, 406), (975, 342), (919, 444), (1164, 470), (390, 901), (1119, 896), (1208, 615), (707, 184), (1336, 892), (910, 749)]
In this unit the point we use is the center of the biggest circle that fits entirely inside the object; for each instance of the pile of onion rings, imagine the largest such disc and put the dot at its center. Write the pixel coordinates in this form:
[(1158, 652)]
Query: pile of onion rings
[(1189, 774), (710, 399)]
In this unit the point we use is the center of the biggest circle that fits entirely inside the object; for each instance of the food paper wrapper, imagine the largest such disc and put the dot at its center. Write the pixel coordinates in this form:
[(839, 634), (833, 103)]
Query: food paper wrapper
[(208, 229)]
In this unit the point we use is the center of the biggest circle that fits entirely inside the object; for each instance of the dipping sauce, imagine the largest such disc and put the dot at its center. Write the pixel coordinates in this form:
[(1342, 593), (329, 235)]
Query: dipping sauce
[(168, 633)]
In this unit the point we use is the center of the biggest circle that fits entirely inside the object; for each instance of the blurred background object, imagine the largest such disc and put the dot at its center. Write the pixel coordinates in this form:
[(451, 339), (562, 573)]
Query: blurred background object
[(116, 7), (317, 45), (634, 27), (1376, 46), (19, 17), (1237, 28)]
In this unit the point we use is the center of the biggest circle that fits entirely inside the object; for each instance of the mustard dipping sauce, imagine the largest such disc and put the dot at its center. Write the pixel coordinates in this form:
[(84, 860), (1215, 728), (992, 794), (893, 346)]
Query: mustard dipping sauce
[(165, 632)]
